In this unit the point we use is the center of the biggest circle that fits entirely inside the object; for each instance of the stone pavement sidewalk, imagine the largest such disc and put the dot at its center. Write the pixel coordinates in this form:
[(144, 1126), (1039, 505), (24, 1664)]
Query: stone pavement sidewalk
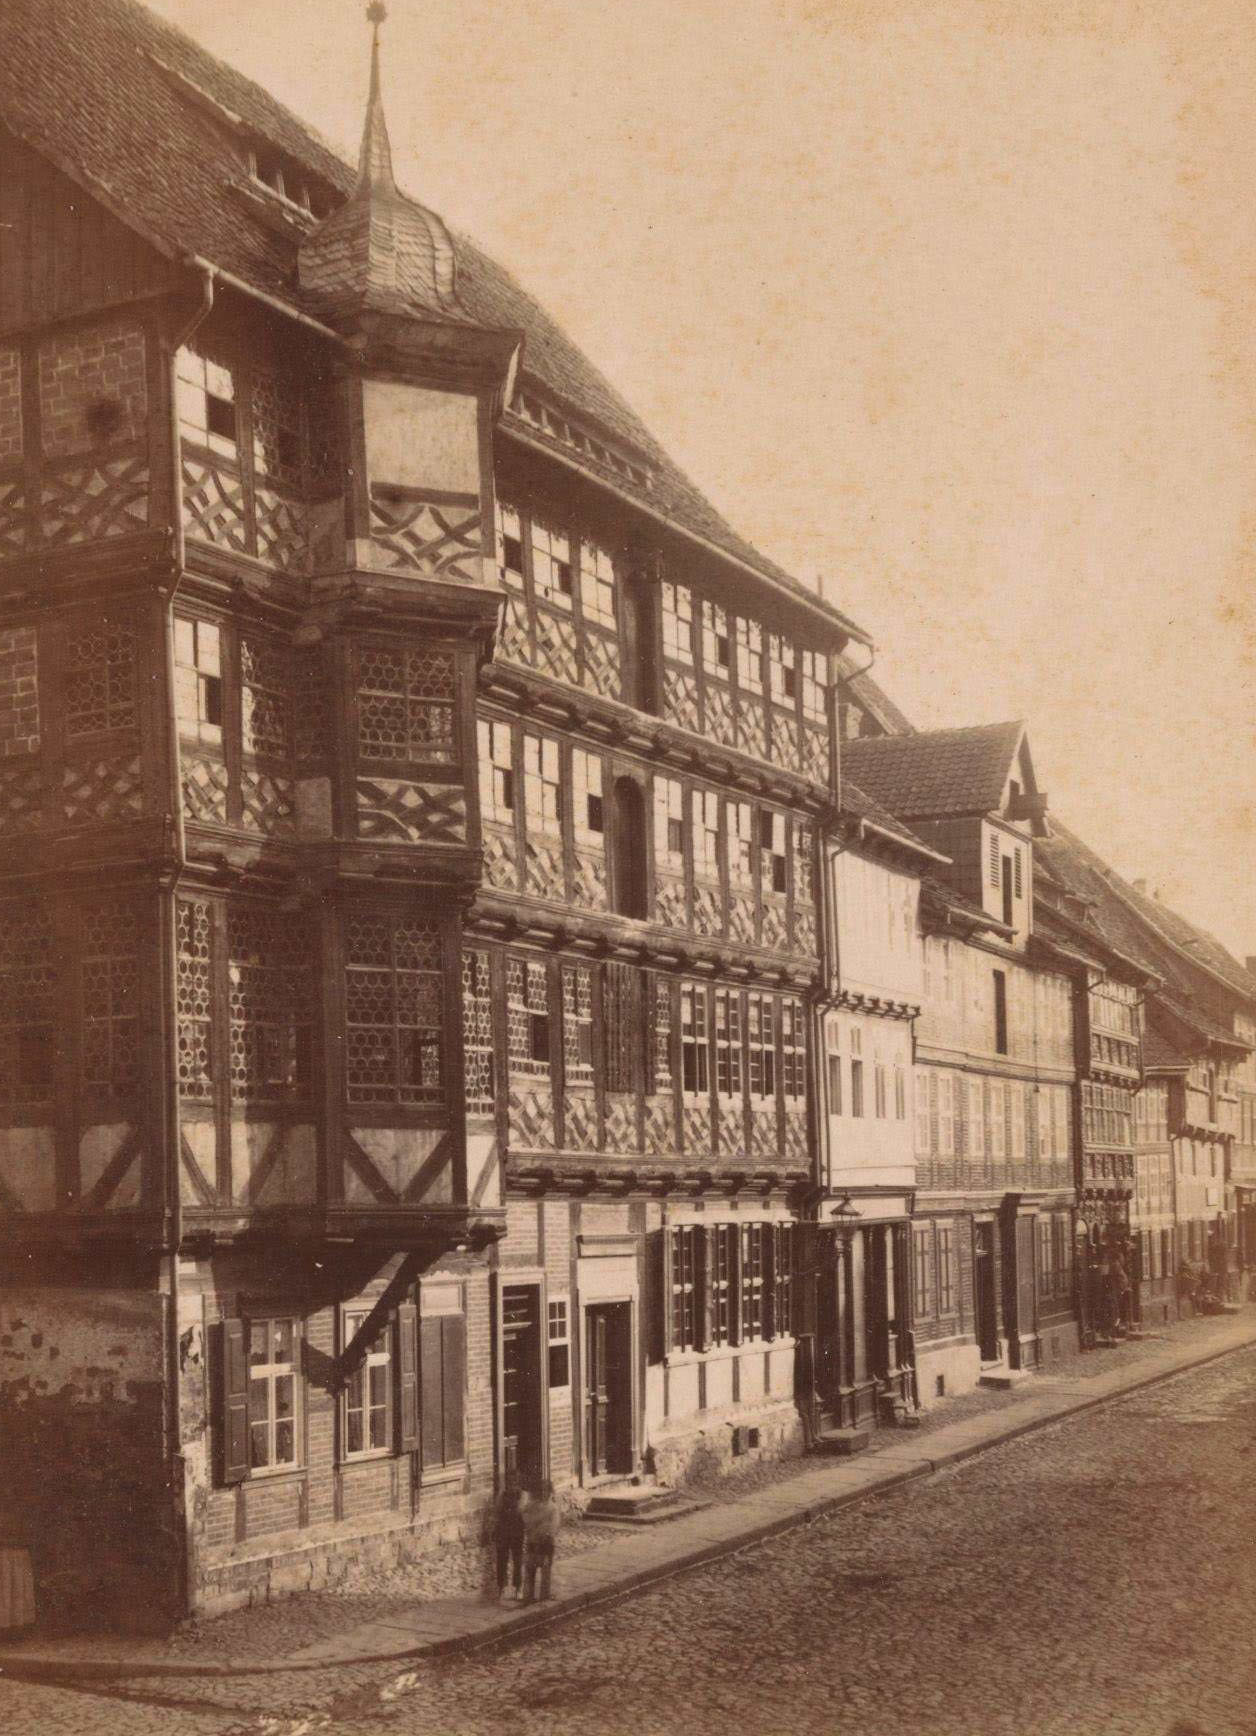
[(610, 1570)]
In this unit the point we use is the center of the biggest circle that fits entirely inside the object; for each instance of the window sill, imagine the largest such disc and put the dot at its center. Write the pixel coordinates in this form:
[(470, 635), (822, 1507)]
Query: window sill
[(446, 1474)]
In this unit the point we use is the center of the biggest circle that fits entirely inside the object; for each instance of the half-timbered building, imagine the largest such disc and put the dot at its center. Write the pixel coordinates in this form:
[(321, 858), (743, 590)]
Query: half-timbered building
[(408, 930)]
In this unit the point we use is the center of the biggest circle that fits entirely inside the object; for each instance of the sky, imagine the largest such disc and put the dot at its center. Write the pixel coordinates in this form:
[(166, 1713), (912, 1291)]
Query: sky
[(946, 304)]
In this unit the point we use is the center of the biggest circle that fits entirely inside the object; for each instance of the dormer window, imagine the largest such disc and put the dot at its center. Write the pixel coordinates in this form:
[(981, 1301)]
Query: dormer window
[(282, 177)]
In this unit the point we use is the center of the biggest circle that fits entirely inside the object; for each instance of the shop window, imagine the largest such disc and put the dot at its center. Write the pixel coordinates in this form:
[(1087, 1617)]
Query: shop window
[(559, 1346), (366, 1397)]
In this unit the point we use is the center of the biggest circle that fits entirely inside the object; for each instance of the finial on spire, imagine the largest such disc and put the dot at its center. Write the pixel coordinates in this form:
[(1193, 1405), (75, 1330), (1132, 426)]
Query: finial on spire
[(375, 160)]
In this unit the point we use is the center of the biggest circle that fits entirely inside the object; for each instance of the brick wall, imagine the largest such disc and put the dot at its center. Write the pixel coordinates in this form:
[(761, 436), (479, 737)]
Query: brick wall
[(100, 366), (19, 692), (10, 404)]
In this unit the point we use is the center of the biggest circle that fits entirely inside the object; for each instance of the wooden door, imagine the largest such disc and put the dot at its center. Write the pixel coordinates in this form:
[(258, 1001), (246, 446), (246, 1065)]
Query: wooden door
[(608, 1388), (522, 1438), (984, 1292)]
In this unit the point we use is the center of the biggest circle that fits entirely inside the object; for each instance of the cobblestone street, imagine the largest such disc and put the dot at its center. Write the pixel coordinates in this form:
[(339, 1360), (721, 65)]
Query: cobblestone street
[(1098, 1576)]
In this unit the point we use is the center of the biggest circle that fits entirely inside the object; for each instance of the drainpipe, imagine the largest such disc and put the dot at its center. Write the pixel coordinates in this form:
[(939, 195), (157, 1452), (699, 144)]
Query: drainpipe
[(166, 950)]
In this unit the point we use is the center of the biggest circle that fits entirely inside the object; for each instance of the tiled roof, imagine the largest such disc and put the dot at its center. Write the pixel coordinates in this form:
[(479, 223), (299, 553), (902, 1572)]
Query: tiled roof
[(935, 773), (859, 803), (1159, 1052), (1172, 946), (80, 82)]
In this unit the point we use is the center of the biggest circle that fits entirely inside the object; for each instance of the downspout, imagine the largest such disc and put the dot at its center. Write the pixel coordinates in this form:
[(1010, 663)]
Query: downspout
[(167, 953)]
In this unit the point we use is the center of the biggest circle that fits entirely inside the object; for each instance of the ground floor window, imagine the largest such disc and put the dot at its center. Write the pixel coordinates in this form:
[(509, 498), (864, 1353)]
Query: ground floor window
[(272, 1393), (366, 1405), (946, 1269)]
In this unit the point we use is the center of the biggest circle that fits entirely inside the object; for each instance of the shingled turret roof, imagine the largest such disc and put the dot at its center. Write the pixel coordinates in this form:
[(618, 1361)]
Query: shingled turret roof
[(158, 131), (935, 773)]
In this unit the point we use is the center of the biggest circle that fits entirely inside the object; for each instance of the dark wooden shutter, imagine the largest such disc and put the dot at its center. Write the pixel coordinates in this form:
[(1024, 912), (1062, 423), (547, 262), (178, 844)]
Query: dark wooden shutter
[(804, 1285), (704, 1275), (407, 1365), (453, 1386), (432, 1391), (235, 1402), (658, 1294)]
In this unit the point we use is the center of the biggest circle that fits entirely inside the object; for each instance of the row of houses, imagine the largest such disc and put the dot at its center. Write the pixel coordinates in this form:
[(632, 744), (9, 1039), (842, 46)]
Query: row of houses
[(489, 980)]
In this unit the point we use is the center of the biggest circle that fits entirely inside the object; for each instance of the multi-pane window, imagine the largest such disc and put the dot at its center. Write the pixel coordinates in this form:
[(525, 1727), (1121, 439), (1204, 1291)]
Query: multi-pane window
[(761, 1042), (782, 670), (597, 585), (278, 426), (728, 1078), (661, 1036), (835, 1082), (552, 573), (669, 825), (198, 679), (900, 1093), (802, 863), (109, 974), (367, 1394), (558, 1343), (405, 705), (588, 816), (857, 1074), (749, 655), (878, 1090), (542, 790), (694, 1044), (527, 1016), (270, 984), (678, 623), (976, 1119), (27, 1002), (814, 686), (686, 1298), (716, 654), (194, 998), (1046, 1258), (477, 1031), (772, 857), (578, 1024), (706, 834), (946, 1269), (741, 845), (794, 1055), (272, 1393), (497, 775), (755, 1262), (783, 1279), (998, 1122), (509, 546), (394, 1015), (265, 698), (205, 399), (100, 686), (922, 1270), (722, 1280)]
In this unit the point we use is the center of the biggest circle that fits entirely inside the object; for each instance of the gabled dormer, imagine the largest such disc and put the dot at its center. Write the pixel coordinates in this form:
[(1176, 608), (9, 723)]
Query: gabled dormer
[(971, 794)]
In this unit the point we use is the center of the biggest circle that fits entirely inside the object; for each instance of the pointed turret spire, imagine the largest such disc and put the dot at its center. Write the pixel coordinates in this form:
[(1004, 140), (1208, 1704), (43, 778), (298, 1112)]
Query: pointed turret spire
[(375, 170), (380, 250)]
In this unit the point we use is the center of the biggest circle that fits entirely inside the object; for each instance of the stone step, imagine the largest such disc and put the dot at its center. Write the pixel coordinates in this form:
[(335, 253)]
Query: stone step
[(843, 1442), (640, 1504), (1003, 1379)]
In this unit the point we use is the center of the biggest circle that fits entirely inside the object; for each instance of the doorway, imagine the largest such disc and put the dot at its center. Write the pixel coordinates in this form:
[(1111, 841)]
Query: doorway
[(522, 1435), (985, 1294), (608, 1389)]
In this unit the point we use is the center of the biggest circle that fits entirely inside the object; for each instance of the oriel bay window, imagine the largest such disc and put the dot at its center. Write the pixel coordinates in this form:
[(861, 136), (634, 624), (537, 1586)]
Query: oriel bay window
[(405, 706), (271, 998), (394, 1013)]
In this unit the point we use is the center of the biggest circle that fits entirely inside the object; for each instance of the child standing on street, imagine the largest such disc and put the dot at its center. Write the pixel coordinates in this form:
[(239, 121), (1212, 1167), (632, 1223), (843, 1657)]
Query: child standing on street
[(508, 1534), (540, 1529)]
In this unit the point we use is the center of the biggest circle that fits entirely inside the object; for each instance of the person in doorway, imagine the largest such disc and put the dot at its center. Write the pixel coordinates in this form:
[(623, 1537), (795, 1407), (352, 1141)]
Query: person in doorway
[(540, 1531), (508, 1535)]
